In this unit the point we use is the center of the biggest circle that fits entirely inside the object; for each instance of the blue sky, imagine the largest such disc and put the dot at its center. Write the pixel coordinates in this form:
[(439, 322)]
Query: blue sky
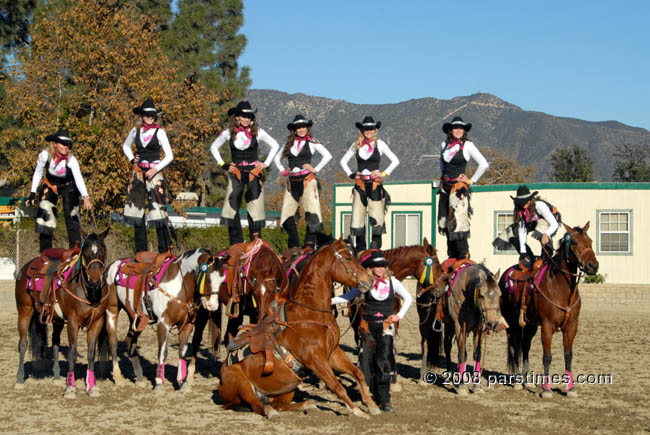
[(582, 59)]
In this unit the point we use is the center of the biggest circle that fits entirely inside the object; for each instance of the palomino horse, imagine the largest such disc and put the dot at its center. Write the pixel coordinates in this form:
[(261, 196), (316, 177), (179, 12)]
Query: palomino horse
[(262, 278), (79, 298), (173, 302), (313, 335), (554, 304), (472, 306)]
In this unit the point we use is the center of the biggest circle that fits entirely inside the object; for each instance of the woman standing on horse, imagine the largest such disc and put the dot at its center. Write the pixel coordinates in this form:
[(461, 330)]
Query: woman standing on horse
[(534, 215), (148, 185), (62, 178), (302, 183), (245, 170), (377, 358), (368, 195), (453, 205)]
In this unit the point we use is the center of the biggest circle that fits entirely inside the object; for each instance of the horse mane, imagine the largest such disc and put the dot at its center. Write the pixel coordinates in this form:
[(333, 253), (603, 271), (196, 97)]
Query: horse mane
[(390, 253)]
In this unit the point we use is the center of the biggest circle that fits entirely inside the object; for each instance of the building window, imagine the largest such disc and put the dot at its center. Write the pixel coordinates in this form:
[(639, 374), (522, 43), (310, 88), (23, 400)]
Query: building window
[(503, 219), (406, 229), (614, 232), (346, 219)]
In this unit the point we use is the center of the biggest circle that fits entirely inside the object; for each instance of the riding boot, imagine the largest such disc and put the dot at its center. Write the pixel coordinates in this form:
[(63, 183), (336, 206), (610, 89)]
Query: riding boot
[(375, 242), (311, 238), (360, 243), (140, 233), (290, 227), (235, 234), (45, 241), (164, 241)]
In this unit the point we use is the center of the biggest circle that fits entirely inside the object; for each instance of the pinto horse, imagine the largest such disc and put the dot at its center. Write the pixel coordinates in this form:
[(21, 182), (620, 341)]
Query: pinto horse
[(554, 304), (79, 299), (313, 335), (262, 280), (173, 303), (472, 306)]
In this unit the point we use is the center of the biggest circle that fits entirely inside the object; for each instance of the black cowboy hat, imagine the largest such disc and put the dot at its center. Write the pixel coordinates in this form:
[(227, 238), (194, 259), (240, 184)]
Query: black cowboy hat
[(242, 109), (523, 196), (368, 124), (61, 136), (299, 121), (146, 109), (374, 259), (456, 123)]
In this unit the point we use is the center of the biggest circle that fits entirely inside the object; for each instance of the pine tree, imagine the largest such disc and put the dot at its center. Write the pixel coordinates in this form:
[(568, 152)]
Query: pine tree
[(572, 165), (632, 163)]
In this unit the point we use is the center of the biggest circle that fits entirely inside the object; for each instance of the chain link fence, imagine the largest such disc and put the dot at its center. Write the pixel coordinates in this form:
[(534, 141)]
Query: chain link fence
[(17, 247)]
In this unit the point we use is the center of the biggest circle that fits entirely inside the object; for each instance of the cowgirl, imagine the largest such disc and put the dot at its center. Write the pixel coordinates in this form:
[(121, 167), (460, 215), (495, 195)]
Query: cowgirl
[(368, 194), (244, 136), (530, 214), (62, 178), (302, 183), (377, 358), (147, 187), (455, 152)]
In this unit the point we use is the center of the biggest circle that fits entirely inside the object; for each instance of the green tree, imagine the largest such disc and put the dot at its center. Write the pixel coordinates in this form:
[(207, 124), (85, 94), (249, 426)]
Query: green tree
[(632, 163), (504, 169), (572, 165)]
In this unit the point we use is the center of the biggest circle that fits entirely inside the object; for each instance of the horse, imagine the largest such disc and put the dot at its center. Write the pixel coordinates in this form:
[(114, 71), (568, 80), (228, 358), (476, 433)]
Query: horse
[(554, 304), (472, 306), (78, 296), (259, 282), (313, 334), (173, 302)]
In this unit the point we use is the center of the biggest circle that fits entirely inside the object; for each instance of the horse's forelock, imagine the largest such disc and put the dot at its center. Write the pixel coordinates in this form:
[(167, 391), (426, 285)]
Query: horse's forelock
[(94, 247)]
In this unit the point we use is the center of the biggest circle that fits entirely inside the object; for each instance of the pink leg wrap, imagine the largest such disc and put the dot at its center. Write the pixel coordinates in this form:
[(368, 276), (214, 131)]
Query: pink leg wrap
[(461, 372), (569, 385), (182, 368), (90, 380), (69, 380), (546, 386), (477, 367), (160, 372)]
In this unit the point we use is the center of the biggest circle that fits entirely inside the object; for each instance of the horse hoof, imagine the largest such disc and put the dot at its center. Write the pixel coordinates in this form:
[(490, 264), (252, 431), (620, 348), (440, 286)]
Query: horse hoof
[(19, 386), (185, 387), (547, 394), (270, 412), (119, 381), (359, 413), (572, 393), (462, 391), (374, 410), (94, 392), (518, 387), (395, 388), (58, 381), (141, 383), (70, 393), (477, 389), (159, 388)]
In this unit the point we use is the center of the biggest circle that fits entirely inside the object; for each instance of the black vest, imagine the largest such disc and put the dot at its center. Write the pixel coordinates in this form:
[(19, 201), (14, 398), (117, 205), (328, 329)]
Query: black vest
[(373, 306), (151, 152), (56, 180), (250, 154), (372, 164), (456, 166), (303, 157)]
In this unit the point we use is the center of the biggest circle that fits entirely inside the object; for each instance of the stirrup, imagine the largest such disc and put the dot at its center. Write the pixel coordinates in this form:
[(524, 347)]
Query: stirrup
[(433, 326), (522, 315), (140, 322)]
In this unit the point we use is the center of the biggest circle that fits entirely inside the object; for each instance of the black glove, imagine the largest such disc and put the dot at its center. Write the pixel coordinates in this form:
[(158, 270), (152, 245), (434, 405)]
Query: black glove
[(32, 197), (526, 261), (353, 175), (225, 166)]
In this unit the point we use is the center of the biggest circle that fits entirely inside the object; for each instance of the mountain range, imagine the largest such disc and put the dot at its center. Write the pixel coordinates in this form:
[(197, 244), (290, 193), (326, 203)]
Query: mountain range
[(413, 129)]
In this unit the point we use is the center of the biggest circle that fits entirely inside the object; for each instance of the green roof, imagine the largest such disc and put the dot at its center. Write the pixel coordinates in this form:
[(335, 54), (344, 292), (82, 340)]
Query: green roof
[(217, 211)]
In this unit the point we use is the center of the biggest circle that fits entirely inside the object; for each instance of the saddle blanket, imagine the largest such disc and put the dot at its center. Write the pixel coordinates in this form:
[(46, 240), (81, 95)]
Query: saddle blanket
[(129, 281), (36, 284), (532, 284)]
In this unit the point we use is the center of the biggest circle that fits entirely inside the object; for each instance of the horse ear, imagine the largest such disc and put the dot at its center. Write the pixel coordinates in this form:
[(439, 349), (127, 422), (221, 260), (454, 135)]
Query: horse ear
[(567, 228), (340, 238), (495, 276), (425, 242), (83, 234), (104, 234), (586, 227)]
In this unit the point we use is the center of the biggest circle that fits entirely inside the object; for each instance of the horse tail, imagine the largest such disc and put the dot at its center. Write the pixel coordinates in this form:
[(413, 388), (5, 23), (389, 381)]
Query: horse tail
[(103, 348), (511, 355), (37, 337)]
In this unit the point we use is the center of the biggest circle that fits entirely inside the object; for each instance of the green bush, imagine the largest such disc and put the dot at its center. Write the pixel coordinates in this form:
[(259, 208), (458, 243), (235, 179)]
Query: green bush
[(596, 279)]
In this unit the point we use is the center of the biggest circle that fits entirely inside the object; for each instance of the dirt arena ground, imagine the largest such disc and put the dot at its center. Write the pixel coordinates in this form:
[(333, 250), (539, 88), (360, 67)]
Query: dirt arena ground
[(610, 341)]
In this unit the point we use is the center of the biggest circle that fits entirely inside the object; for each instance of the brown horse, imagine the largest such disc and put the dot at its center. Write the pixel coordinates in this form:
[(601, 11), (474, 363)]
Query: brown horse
[(80, 300), (173, 303), (472, 306), (313, 335), (258, 284), (554, 304)]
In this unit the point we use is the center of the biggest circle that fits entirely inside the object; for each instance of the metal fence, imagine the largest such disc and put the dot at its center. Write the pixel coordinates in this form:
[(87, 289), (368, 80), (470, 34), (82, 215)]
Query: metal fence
[(17, 247)]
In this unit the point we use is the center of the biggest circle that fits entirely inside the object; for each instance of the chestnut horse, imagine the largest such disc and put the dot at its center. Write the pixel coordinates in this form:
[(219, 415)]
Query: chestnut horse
[(263, 280), (173, 303), (313, 335), (472, 306), (555, 305), (80, 300)]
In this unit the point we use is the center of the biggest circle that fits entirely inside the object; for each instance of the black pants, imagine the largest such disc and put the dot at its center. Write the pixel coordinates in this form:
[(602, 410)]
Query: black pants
[(291, 228), (457, 248), (236, 234), (141, 243), (377, 361)]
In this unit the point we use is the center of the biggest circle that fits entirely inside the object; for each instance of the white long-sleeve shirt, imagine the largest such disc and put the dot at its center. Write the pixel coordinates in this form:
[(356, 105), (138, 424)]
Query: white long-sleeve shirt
[(242, 142), (146, 138), (545, 213), (380, 293), (469, 152), (313, 148), (365, 154), (58, 171)]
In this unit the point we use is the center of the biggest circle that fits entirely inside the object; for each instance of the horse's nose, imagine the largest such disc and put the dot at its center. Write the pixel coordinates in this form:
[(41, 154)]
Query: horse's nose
[(592, 268), (365, 285), (491, 326)]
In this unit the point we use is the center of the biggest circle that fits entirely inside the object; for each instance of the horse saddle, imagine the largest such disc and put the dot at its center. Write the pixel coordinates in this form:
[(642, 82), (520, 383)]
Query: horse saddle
[(451, 265), (260, 338), (146, 263), (527, 275), (50, 260)]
